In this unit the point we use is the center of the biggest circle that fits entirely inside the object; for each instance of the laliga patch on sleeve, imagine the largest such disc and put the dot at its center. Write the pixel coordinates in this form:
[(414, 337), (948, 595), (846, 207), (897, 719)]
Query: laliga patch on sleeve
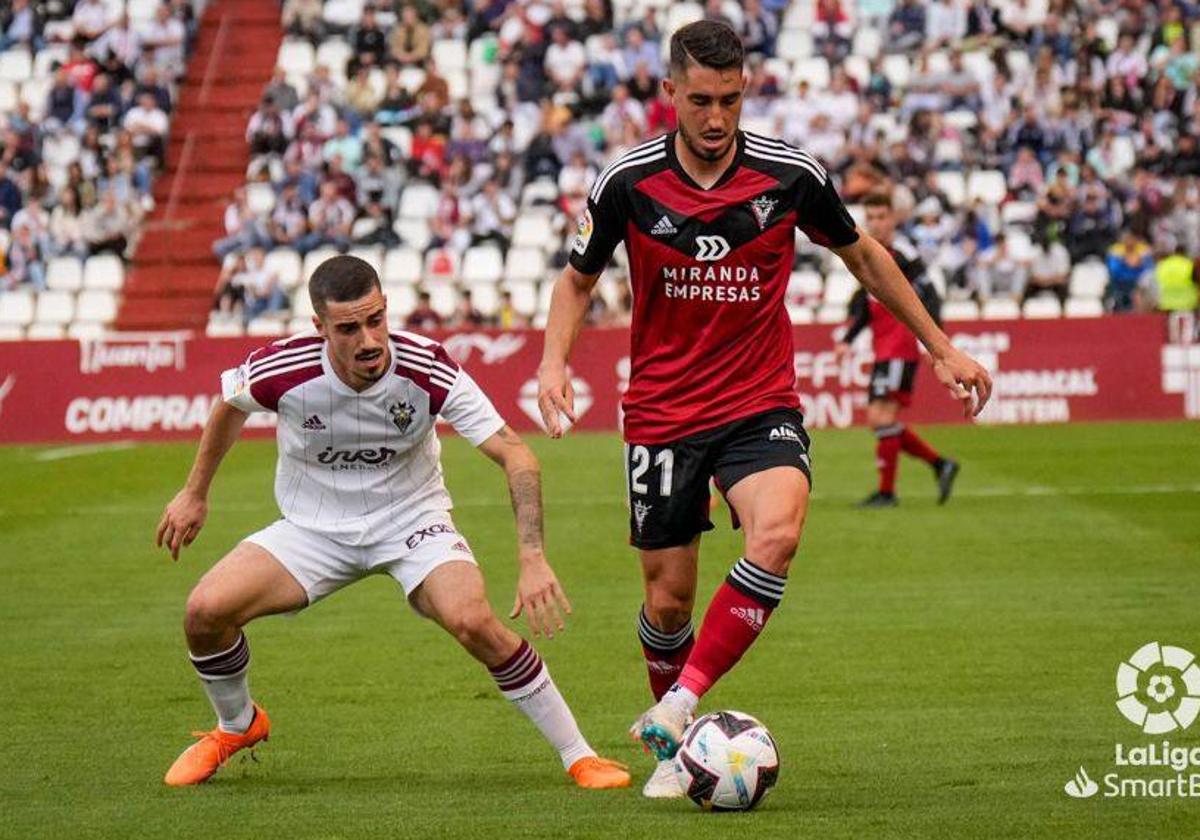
[(583, 232), (234, 383)]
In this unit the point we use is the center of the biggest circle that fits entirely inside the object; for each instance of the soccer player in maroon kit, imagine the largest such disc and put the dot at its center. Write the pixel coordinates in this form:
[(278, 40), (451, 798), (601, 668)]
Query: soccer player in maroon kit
[(708, 214), (896, 359)]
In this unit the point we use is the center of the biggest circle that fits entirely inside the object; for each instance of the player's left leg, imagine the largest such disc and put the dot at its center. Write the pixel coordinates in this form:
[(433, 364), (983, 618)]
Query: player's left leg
[(881, 417), (453, 595)]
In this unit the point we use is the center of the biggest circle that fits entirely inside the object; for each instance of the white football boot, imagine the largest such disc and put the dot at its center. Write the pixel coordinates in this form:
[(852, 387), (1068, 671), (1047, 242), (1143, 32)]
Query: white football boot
[(663, 783)]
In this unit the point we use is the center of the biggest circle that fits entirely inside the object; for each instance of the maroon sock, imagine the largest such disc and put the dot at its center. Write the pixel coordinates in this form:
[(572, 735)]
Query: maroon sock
[(665, 652), (887, 454), (737, 615), (914, 445)]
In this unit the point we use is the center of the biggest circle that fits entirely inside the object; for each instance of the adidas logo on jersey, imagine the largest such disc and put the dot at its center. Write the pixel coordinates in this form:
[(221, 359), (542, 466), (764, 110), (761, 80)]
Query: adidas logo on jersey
[(754, 616), (663, 228), (785, 433), (313, 424)]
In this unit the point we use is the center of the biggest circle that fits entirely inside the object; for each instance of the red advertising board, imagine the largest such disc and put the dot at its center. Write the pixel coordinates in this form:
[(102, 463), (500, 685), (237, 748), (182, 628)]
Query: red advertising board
[(163, 385)]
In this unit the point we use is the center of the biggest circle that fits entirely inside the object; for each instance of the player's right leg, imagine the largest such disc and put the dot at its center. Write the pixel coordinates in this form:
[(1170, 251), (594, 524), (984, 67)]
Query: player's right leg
[(247, 583), (881, 417)]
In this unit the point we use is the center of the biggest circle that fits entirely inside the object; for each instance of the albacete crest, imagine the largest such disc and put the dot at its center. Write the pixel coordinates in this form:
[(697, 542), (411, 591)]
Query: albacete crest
[(762, 207), (402, 415)]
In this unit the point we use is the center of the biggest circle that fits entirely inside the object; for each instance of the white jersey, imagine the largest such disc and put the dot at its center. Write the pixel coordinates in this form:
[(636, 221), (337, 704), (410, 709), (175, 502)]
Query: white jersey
[(357, 466)]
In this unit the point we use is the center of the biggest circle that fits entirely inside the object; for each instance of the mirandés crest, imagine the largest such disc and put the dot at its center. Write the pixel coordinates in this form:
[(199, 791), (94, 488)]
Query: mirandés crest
[(762, 207), (402, 415)]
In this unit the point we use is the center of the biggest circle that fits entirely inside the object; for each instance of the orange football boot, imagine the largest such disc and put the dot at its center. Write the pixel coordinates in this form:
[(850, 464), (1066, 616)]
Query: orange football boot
[(199, 761), (596, 773)]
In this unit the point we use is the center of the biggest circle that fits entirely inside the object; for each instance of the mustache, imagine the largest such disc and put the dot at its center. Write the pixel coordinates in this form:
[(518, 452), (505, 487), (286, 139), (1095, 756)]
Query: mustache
[(368, 355)]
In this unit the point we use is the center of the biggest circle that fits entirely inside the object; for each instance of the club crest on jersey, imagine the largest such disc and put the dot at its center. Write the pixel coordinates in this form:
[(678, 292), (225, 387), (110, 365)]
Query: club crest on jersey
[(762, 207), (583, 232), (402, 415)]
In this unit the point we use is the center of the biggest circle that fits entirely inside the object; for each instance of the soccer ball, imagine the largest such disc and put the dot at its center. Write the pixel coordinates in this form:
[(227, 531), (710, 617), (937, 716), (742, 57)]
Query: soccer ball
[(727, 762)]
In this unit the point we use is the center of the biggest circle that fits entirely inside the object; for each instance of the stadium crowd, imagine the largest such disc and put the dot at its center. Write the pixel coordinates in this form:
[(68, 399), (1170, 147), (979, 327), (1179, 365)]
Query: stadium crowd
[(86, 94), (1041, 153)]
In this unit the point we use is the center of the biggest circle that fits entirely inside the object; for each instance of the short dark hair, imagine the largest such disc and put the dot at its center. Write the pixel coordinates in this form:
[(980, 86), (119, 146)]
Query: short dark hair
[(341, 279), (878, 199), (708, 43)]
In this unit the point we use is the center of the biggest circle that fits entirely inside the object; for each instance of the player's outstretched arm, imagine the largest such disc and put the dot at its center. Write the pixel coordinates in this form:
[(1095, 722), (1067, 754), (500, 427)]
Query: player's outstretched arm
[(568, 307), (539, 594), (874, 267), (185, 514)]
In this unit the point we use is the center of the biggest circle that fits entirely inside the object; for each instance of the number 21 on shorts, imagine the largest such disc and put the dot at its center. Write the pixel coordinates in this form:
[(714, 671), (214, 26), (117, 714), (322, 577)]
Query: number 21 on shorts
[(638, 462)]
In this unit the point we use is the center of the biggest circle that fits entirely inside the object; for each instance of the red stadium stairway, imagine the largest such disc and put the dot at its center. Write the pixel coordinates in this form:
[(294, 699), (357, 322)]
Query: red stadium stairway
[(174, 273)]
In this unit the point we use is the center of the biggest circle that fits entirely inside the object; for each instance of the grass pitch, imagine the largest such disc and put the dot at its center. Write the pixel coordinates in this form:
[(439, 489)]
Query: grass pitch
[(933, 672)]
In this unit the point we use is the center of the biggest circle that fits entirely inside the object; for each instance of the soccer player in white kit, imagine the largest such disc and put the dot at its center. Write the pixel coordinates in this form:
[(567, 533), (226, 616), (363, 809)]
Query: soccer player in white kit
[(359, 484)]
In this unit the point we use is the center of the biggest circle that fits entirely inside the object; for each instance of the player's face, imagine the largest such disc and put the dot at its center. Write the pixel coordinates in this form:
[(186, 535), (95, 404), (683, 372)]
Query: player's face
[(881, 224), (357, 334), (708, 103)]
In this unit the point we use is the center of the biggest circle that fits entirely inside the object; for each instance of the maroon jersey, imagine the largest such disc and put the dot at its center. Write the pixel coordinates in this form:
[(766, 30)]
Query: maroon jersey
[(890, 339), (711, 338)]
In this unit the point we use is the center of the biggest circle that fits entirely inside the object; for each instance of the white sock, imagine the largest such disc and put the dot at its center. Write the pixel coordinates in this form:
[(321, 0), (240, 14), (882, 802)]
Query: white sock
[(224, 677), (525, 681)]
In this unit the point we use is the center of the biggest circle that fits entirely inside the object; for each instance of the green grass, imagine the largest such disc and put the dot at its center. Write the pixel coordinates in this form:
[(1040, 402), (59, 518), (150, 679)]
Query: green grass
[(934, 672)]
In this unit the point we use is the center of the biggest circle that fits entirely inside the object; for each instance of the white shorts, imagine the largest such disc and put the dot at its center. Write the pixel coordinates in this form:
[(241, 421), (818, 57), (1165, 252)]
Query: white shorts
[(323, 566)]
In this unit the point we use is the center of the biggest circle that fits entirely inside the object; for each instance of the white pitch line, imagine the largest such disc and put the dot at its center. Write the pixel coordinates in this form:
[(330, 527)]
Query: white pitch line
[(78, 451)]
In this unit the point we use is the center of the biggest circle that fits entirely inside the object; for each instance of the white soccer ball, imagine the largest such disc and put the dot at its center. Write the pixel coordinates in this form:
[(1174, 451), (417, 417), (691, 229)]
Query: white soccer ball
[(728, 762)]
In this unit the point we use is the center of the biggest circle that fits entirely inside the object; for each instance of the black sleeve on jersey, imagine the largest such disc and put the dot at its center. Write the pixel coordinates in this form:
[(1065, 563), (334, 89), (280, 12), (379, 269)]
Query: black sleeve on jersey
[(860, 316), (599, 230), (822, 215), (929, 297)]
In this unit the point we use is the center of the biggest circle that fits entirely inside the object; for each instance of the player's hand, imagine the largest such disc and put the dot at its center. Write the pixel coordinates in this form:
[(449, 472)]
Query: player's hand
[(181, 522), (841, 350), (540, 596), (556, 397), (968, 381)]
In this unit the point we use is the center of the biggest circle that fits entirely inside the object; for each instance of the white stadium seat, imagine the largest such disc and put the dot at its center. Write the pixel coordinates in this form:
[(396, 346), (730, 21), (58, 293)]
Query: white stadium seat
[(897, 69), (805, 285), (224, 328), (267, 325), (96, 306), (960, 310), (533, 230), (443, 298), (402, 266), (482, 264), (867, 42), (334, 55), (814, 70), (16, 308), (988, 186), (64, 274), (1042, 307), (260, 198), (539, 191), (287, 266), (1000, 309), (10, 333), (46, 332), (1084, 308), (1089, 279), (314, 258), (831, 313), (840, 286), (794, 44), (104, 271), (800, 314), (296, 57), (372, 255), (16, 65), (418, 201), (524, 296), (1018, 213), (302, 307), (401, 299), (953, 185), (449, 55), (486, 298), (85, 329), (414, 233), (525, 264), (54, 308)]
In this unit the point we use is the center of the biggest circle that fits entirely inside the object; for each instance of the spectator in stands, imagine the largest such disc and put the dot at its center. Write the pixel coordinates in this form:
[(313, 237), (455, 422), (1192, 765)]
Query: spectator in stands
[(906, 27), (466, 316), (370, 43), (108, 225), (492, 214), (565, 61), (640, 51), (282, 92), (104, 106), (1174, 286), (1129, 261), (410, 40), (344, 144), (1049, 269), (424, 318), (304, 19), (148, 126), (163, 39), (831, 30), (507, 316), (230, 298), (260, 286), (1025, 178), (271, 128), (119, 50), (1093, 223), (90, 19), (66, 226), (289, 221), (25, 261), (10, 195), (329, 220), (758, 29), (243, 228), (622, 110), (64, 103), (21, 24), (999, 274)]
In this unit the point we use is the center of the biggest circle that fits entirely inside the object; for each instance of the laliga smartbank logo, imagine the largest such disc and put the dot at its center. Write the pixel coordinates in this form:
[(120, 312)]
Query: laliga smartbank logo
[(1158, 690)]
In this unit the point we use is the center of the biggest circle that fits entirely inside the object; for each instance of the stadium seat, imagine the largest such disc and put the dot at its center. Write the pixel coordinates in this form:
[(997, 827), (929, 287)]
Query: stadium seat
[(267, 325), (979, 64), (1108, 29), (449, 55), (302, 307), (16, 308), (1000, 309), (443, 298), (486, 298), (545, 292), (867, 42), (314, 258), (334, 54), (938, 62), (413, 233), (947, 151), (482, 264), (1089, 279), (794, 44), (524, 296), (47, 57), (224, 328), (96, 306), (525, 264), (402, 266), (540, 191), (10, 333), (54, 308), (1020, 246), (46, 332), (799, 314), (897, 69), (814, 70), (418, 201), (287, 266), (831, 313), (343, 13), (960, 310), (104, 271), (400, 136), (953, 185), (401, 299), (988, 186), (141, 11), (64, 274), (78, 330), (1018, 213), (16, 65), (681, 14), (10, 95), (260, 198), (441, 264), (1042, 307), (412, 78), (858, 68), (533, 230), (840, 286), (961, 120), (296, 57), (1084, 308), (372, 255)]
